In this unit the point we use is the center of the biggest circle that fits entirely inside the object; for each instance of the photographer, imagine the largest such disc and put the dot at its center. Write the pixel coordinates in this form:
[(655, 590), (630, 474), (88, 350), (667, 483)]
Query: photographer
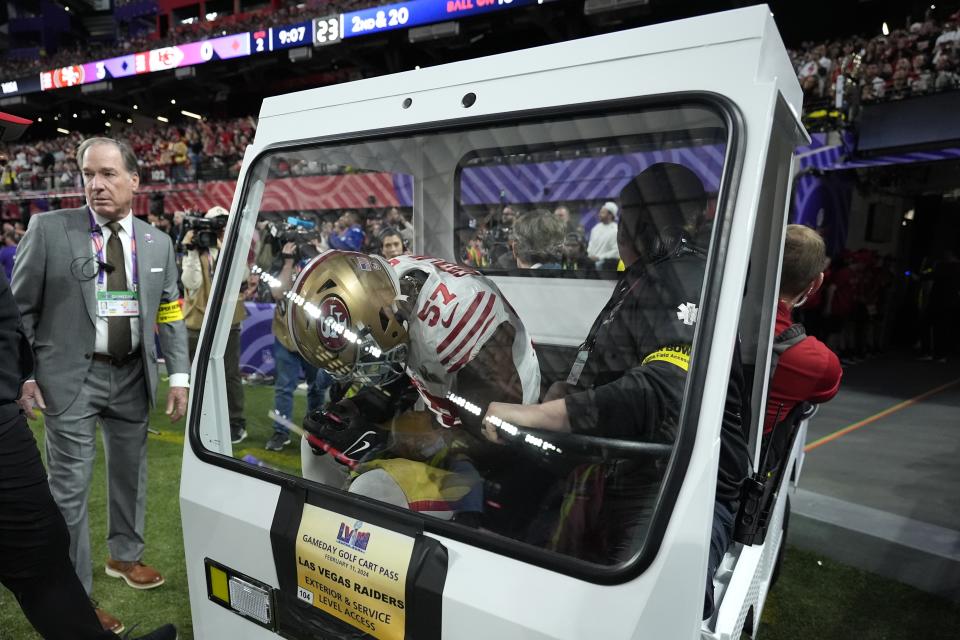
[(348, 235), (288, 361), (499, 238), (201, 239)]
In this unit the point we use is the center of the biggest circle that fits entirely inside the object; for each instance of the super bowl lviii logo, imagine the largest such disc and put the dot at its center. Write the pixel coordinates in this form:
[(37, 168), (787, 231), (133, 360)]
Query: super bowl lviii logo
[(353, 537), (333, 323)]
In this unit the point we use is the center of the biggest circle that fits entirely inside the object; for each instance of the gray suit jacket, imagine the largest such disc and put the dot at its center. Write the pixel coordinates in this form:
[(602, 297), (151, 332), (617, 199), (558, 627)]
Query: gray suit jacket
[(58, 303)]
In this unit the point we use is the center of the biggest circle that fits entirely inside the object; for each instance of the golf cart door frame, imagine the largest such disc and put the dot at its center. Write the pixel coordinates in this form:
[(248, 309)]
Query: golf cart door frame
[(747, 572)]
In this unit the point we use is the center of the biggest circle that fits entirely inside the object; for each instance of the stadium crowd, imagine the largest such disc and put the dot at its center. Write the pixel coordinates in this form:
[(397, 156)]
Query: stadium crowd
[(854, 312), (862, 301), (194, 150), (919, 59), (222, 24)]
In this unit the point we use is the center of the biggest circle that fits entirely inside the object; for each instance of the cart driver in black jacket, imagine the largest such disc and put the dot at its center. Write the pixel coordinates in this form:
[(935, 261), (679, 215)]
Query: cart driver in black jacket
[(629, 375)]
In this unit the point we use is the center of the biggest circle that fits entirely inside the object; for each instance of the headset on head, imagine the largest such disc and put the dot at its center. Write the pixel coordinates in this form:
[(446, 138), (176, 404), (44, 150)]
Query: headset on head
[(664, 207)]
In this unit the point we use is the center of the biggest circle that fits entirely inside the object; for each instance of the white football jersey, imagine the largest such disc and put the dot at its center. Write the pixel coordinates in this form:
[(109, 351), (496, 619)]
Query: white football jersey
[(457, 311)]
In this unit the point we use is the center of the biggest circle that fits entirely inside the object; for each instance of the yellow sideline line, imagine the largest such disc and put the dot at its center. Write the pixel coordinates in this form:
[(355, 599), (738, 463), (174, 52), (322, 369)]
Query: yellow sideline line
[(270, 457), (877, 416), (167, 436)]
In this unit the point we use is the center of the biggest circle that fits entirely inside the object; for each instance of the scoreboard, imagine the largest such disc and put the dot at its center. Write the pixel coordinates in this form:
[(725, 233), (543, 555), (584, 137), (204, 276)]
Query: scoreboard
[(419, 12), (318, 32), (286, 37), (403, 15)]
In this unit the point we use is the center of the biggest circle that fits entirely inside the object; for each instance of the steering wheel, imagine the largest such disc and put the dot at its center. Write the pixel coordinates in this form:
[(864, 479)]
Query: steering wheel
[(560, 444)]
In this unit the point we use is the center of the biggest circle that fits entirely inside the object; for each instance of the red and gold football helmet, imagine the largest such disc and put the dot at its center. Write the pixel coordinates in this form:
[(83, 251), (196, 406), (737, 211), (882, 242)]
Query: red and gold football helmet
[(342, 316)]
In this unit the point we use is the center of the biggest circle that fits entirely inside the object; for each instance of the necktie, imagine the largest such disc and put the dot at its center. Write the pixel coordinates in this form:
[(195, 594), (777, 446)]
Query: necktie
[(118, 327)]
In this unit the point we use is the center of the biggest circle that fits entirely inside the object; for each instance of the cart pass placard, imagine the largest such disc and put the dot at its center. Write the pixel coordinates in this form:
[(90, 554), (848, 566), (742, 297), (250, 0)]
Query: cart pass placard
[(354, 570)]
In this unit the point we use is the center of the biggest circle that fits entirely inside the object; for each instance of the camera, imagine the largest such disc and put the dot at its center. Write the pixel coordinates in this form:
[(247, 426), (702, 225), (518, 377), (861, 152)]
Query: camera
[(298, 231), (206, 232)]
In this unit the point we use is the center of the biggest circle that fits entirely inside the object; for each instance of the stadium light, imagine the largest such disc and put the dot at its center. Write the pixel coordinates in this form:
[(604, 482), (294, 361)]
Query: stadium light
[(430, 32), (885, 29), (163, 119), (191, 114), (63, 131), (97, 87), (300, 54), (593, 7)]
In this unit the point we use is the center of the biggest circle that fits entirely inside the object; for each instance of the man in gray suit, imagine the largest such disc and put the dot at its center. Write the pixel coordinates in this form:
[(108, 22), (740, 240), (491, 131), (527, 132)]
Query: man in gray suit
[(93, 285)]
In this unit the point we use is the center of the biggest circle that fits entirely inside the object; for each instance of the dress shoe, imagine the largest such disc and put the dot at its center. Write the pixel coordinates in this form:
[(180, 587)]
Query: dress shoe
[(108, 622), (135, 574)]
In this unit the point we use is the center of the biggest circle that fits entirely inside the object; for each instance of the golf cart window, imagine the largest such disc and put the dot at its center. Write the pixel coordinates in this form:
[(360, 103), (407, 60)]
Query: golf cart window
[(551, 210), (417, 377)]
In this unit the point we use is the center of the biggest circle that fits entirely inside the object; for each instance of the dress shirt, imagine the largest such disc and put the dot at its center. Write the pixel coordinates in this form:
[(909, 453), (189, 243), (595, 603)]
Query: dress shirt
[(126, 234)]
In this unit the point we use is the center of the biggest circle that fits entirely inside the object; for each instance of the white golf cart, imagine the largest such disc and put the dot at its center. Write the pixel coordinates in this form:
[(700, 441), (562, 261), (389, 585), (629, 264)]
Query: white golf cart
[(272, 553)]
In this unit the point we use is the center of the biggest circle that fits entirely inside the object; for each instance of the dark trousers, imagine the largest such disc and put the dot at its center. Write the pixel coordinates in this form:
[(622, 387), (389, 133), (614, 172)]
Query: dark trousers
[(288, 364), (231, 368), (720, 534), (34, 544)]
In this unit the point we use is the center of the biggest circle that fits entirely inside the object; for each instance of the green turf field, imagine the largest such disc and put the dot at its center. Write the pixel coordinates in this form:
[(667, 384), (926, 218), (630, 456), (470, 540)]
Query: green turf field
[(814, 598)]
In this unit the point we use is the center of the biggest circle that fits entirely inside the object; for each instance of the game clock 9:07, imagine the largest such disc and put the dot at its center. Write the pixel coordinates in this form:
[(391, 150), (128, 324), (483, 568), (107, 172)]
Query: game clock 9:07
[(294, 35), (327, 30)]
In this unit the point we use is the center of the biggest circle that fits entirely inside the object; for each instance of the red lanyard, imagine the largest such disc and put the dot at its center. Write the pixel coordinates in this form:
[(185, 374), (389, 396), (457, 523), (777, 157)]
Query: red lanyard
[(96, 235)]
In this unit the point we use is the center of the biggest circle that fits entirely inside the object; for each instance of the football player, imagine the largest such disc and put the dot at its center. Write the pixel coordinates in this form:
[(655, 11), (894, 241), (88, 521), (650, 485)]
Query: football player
[(387, 327)]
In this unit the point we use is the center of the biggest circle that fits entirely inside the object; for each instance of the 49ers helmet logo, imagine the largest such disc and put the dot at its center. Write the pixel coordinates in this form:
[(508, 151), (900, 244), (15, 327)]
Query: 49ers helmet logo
[(333, 323)]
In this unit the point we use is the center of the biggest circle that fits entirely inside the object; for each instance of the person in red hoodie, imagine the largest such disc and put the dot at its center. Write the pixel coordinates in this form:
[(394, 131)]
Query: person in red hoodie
[(807, 371)]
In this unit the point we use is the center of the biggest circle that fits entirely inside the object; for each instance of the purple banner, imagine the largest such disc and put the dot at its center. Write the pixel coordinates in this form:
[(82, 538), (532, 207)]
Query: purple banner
[(822, 198), (256, 339), (582, 179)]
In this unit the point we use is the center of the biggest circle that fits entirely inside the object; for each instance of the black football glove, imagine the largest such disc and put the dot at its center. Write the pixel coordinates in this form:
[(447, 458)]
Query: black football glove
[(341, 432)]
